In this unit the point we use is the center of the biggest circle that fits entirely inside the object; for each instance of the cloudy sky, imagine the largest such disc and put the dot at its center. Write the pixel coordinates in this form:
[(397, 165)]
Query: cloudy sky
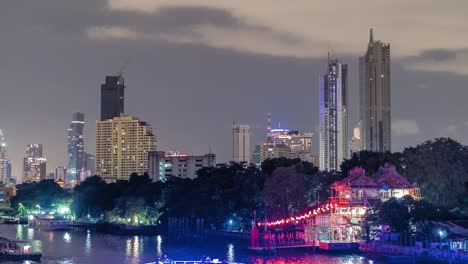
[(194, 67)]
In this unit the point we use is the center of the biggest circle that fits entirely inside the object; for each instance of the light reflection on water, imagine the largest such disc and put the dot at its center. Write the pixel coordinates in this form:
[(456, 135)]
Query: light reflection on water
[(90, 247), (230, 253), (158, 246), (88, 243), (30, 233)]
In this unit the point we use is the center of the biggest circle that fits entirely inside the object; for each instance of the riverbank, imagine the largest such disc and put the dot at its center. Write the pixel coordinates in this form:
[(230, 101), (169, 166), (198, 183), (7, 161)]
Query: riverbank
[(402, 252)]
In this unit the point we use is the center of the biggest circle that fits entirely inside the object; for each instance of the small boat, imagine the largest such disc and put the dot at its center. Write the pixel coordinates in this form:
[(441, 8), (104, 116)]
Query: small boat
[(16, 250), (50, 222), (10, 220)]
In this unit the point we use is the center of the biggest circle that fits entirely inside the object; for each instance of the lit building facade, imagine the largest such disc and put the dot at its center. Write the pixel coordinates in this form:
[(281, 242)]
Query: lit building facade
[(76, 153), (34, 165), (333, 104), (241, 143), (122, 147), (3, 158), (374, 83), (269, 150), (112, 97), (163, 165), (285, 143)]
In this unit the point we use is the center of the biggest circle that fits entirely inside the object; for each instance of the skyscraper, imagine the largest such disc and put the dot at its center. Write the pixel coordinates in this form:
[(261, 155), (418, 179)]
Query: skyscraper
[(112, 97), (76, 153), (374, 84), (241, 143), (333, 104), (122, 146), (3, 157), (34, 165), (90, 165)]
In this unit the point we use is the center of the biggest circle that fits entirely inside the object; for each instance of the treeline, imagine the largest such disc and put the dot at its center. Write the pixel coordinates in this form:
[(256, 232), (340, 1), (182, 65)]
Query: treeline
[(227, 196)]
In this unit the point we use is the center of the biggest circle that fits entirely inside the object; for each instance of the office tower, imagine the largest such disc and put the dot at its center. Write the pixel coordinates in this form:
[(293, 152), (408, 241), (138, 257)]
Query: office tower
[(76, 153), (241, 143), (112, 97), (270, 150), (122, 146), (333, 104), (285, 143), (90, 165), (256, 157), (3, 157), (163, 165), (374, 82), (355, 142), (8, 170), (34, 151), (34, 165), (60, 173)]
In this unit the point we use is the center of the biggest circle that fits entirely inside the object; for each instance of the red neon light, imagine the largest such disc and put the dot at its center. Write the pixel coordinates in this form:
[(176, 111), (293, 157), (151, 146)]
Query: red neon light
[(322, 209)]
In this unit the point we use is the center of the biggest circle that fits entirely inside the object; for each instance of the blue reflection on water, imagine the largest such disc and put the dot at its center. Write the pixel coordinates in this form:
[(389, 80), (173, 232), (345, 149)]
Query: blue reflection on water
[(90, 247)]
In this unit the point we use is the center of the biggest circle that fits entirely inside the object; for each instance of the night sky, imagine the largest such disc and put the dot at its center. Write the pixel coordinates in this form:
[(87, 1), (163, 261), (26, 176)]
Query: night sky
[(194, 67)]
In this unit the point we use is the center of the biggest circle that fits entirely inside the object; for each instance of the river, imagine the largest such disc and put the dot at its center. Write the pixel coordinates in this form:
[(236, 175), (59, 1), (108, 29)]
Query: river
[(76, 247)]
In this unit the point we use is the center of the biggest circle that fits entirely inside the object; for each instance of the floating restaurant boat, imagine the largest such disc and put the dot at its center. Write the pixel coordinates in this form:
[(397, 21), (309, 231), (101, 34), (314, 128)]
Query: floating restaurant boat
[(50, 222), (17, 250), (214, 261)]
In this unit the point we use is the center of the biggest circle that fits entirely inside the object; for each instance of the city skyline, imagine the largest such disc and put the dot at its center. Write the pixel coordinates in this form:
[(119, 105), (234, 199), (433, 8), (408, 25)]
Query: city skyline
[(216, 76)]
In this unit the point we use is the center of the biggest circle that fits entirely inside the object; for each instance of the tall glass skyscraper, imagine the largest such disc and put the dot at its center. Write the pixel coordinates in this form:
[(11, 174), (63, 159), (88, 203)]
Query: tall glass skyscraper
[(112, 97), (374, 84), (76, 153), (333, 103), (3, 157)]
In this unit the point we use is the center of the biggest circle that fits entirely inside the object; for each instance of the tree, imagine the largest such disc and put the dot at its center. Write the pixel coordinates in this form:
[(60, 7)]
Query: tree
[(43, 194), (394, 213), (440, 168), (371, 161), (284, 193), (270, 165)]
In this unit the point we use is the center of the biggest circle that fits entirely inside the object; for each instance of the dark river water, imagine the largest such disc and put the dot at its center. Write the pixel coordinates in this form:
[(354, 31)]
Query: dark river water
[(73, 247)]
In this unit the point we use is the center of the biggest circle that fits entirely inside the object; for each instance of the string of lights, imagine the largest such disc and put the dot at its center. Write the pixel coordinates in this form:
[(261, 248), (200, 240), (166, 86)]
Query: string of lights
[(319, 210)]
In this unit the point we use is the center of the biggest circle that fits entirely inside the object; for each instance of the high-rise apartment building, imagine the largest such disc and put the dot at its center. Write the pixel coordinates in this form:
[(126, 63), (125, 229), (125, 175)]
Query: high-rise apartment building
[(163, 165), (256, 156), (241, 143), (374, 84), (122, 146), (112, 97), (333, 104), (76, 154), (3, 158), (34, 165)]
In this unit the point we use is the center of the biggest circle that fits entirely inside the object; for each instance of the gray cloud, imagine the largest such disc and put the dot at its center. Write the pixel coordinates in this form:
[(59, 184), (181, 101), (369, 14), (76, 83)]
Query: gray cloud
[(438, 60)]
